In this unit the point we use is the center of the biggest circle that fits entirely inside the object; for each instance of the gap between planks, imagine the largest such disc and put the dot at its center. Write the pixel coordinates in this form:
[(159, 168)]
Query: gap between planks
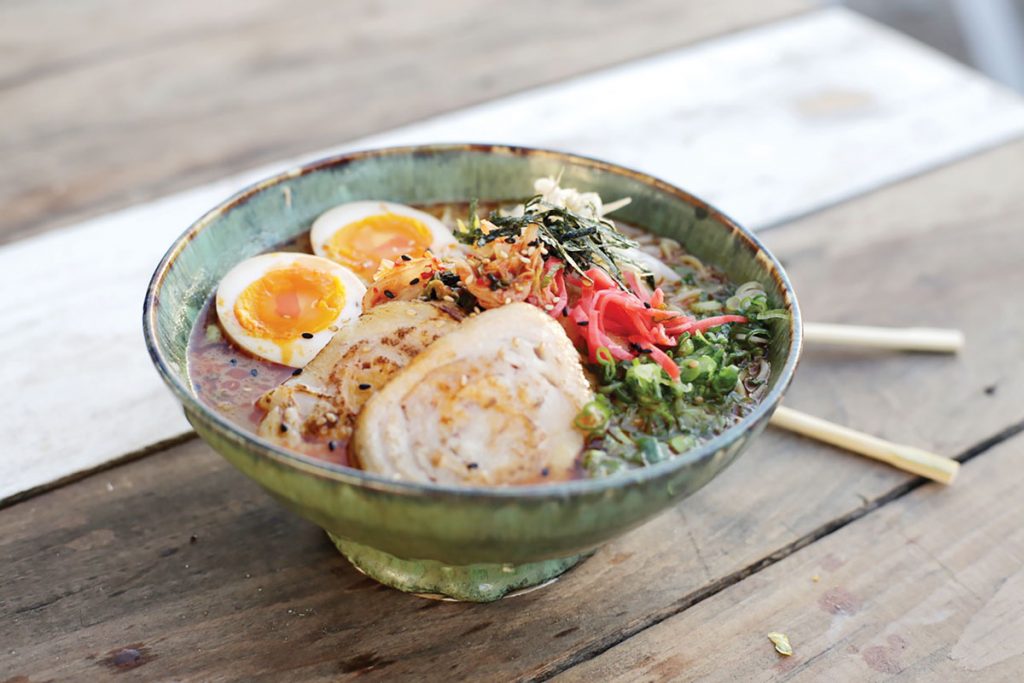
[(144, 452), (600, 646), (910, 175)]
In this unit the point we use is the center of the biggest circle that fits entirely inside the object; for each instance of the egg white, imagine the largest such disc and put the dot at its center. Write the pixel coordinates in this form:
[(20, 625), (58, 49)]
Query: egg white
[(301, 350), (336, 218)]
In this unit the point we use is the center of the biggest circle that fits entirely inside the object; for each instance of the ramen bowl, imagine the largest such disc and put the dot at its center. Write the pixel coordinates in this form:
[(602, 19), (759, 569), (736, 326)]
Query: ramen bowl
[(454, 542)]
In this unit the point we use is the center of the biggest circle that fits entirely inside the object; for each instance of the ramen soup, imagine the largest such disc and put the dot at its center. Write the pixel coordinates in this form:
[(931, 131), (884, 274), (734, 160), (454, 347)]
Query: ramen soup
[(483, 345)]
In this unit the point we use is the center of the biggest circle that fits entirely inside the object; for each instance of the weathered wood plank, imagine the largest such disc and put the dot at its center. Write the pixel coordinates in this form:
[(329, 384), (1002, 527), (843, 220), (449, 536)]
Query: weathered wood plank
[(706, 138), (116, 103), (85, 576), (930, 587)]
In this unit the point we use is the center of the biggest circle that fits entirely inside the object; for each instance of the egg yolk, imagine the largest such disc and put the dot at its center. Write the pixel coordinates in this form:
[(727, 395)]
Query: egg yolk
[(287, 302), (362, 244)]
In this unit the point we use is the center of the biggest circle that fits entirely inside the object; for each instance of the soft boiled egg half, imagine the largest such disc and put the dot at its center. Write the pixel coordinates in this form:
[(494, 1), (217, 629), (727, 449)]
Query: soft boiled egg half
[(285, 307), (359, 235)]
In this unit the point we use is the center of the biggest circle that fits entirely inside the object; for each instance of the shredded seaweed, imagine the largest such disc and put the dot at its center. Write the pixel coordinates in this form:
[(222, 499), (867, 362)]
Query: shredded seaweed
[(580, 242)]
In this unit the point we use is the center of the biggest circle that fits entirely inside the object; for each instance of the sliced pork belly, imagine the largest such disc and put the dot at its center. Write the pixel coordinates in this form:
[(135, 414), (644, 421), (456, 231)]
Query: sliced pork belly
[(493, 402), (319, 406)]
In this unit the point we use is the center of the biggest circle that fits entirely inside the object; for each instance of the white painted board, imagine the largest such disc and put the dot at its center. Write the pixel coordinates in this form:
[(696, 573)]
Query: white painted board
[(768, 124)]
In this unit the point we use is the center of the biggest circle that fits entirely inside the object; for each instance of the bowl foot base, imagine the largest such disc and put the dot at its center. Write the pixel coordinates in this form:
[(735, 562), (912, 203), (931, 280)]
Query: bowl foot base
[(439, 581)]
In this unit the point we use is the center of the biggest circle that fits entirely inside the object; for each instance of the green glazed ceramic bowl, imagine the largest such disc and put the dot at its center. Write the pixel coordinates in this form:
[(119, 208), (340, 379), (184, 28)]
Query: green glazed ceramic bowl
[(466, 543)]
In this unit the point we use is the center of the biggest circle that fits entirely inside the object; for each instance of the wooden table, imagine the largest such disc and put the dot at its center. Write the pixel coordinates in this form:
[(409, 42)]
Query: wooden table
[(886, 178)]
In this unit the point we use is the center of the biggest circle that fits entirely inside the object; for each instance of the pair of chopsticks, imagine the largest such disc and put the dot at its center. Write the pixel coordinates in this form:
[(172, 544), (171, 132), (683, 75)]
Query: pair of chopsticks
[(914, 460)]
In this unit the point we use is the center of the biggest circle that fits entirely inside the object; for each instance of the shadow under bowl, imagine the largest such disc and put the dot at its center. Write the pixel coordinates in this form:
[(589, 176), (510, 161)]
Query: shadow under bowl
[(465, 543)]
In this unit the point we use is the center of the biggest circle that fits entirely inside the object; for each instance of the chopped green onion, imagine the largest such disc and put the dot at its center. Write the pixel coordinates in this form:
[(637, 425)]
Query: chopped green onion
[(651, 450), (595, 415), (726, 379), (607, 363), (706, 306)]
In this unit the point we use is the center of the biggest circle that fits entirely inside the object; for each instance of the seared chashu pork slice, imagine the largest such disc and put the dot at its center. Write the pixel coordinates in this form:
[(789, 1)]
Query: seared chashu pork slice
[(492, 402), (316, 409)]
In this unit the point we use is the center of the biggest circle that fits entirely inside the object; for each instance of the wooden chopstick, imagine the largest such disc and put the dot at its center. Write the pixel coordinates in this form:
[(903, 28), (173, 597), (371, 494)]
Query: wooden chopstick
[(914, 460), (931, 339)]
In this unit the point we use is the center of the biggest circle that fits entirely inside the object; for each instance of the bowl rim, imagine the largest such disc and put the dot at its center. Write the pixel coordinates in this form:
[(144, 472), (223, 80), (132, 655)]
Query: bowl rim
[(534, 492)]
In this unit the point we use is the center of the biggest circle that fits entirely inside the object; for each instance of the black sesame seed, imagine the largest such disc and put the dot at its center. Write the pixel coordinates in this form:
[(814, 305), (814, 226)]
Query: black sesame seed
[(364, 387), (647, 304), (193, 538), (389, 294), (254, 372), (406, 257), (472, 466), (307, 335), (284, 428), (582, 323), (449, 278), (233, 361), (545, 472), (646, 351), (331, 445), (296, 372), (636, 347), (414, 281), (565, 312)]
